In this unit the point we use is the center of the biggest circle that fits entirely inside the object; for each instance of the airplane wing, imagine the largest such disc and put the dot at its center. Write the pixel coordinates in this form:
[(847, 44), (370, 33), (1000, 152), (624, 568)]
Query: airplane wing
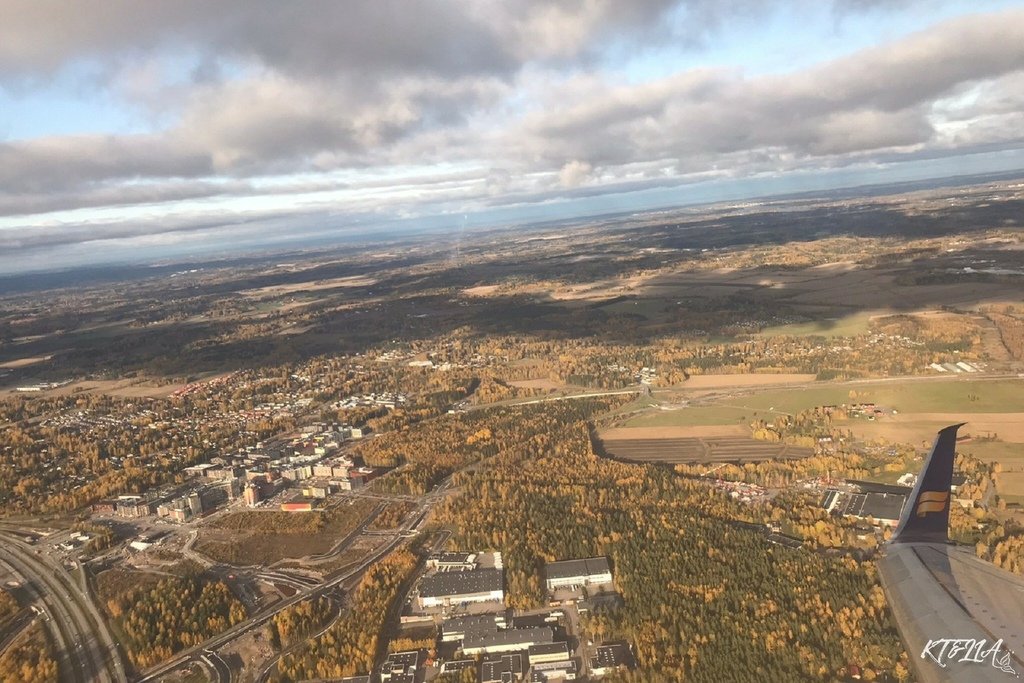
[(961, 618)]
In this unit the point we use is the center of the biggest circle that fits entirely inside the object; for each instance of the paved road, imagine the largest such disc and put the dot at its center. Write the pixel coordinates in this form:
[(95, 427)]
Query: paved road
[(84, 650), (413, 522), (256, 621), (271, 665), (218, 665), (565, 397)]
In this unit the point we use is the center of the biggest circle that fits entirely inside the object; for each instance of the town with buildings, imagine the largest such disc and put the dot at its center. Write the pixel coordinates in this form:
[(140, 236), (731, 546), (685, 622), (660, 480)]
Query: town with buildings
[(305, 470), (462, 597)]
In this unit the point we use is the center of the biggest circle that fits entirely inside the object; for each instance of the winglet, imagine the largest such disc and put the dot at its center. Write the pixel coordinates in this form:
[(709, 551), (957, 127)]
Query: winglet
[(925, 517)]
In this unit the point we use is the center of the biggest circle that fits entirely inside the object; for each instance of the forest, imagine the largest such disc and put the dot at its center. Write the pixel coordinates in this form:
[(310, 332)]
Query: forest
[(175, 613), (29, 659), (703, 596), (298, 621), (353, 643), (8, 607)]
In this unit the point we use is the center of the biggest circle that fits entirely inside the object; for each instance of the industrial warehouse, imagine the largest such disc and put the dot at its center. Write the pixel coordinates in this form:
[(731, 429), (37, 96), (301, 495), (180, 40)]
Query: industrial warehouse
[(578, 573), (447, 588), (462, 596)]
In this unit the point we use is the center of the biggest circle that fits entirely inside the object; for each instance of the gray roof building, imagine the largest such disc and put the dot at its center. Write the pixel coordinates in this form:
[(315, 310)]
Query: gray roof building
[(548, 652), (578, 572), (554, 671), (611, 656), (400, 667), (506, 640), (503, 669), (454, 584), (458, 628)]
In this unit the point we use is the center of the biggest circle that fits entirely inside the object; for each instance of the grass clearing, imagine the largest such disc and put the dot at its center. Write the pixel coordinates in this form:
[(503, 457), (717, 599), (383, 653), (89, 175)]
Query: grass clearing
[(264, 537), (738, 380), (648, 308), (112, 584), (1010, 486), (24, 362), (696, 432), (692, 417), (923, 407), (937, 396), (1010, 455), (847, 326)]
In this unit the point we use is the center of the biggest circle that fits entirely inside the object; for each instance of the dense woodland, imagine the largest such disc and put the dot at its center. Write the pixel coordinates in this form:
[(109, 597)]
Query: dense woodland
[(298, 621), (29, 659), (352, 644), (702, 595), (8, 606), (157, 621), (391, 516), (1009, 319)]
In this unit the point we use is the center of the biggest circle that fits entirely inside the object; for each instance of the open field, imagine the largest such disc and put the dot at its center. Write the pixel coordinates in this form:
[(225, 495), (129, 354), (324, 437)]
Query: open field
[(1011, 482), (692, 417), (742, 380), (125, 389), (1010, 455), (693, 431), (706, 450), (1010, 485), (846, 326), (267, 536), (959, 396), (312, 286), (911, 427), (24, 362)]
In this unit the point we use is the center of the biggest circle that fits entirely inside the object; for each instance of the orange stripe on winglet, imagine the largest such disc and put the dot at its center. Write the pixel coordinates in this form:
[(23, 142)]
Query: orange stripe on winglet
[(933, 496)]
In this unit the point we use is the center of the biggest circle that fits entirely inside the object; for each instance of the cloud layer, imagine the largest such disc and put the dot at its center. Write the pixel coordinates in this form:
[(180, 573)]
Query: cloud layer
[(443, 105)]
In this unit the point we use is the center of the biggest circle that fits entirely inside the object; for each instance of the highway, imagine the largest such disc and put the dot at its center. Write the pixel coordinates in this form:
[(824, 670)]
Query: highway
[(84, 649), (413, 522), (268, 667), (271, 664), (196, 653), (218, 665)]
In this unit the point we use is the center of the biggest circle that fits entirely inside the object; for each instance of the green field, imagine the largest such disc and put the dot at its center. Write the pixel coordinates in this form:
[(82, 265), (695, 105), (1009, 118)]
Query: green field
[(953, 396), (692, 417), (1011, 455), (648, 308), (848, 326)]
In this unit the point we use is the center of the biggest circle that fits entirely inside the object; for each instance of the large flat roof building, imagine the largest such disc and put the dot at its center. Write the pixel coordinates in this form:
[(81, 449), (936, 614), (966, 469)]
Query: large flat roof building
[(577, 573), (884, 507), (611, 657), (447, 588), (554, 671), (548, 652), (400, 667), (505, 640), (451, 561), (456, 665), (503, 669), (457, 628)]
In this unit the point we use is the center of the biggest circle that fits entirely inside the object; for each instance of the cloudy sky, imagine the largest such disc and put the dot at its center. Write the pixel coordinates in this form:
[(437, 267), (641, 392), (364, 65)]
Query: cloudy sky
[(174, 127)]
